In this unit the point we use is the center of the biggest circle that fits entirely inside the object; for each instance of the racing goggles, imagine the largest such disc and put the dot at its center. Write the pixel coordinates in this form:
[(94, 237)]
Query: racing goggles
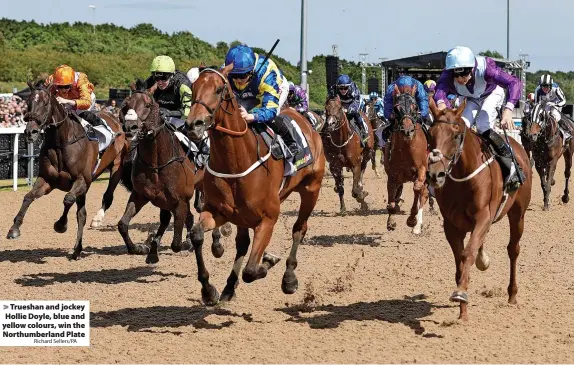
[(64, 87), (462, 71), (161, 76)]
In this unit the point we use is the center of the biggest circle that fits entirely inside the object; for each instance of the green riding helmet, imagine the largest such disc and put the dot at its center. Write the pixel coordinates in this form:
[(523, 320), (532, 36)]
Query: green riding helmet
[(162, 64)]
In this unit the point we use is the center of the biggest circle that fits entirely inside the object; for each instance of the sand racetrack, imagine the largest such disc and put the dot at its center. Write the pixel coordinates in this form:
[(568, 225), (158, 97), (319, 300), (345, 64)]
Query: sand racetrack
[(365, 295)]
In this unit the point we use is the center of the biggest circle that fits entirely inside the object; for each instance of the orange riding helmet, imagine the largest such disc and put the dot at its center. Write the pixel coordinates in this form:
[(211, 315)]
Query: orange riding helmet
[(64, 75)]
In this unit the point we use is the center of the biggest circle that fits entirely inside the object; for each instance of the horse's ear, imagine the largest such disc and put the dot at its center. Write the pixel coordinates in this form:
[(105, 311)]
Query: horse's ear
[(396, 91), (461, 108), (413, 90), (202, 64), (227, 69), (433, 108), (132, 86), (30, 84)]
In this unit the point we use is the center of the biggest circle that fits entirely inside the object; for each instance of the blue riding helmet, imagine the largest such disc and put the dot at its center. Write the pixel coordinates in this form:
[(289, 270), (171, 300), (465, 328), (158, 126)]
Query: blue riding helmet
[(459, 57), (373, 95), (344, 80), (243, 59)]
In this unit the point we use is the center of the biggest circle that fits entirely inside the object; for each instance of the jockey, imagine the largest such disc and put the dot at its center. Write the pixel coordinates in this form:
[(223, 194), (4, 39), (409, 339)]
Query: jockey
[(73, 89), (297, 99), (261, 91), (173, 91), (377, 104), (420, 97), (350, 97), (483, 83), (430, 87), (549, 93)]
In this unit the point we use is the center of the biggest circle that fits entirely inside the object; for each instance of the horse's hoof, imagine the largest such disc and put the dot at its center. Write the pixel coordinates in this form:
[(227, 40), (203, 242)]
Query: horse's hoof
[(364, 207), (553, 182), (412, 221), (189, 244), (13, 234), (217, 250), (176, 247), (139, 249), (251, 274), (152, 258), (546, 208), (227, 295), (482, 261), (74, 256), (96, 223), (209, 296), (459, 297), (391, 226), (289, 284), (60, 227), (565, 199), (343, 212), (226, 230)]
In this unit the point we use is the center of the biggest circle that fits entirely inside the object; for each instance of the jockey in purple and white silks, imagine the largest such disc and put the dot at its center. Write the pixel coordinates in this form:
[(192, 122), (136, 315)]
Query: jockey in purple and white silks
[(350, 97), (297, 99), (483, 83), (552, 97)]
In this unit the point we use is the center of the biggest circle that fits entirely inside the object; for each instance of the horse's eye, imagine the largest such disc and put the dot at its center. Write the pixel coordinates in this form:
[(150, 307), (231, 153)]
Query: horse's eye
[(219, 90)]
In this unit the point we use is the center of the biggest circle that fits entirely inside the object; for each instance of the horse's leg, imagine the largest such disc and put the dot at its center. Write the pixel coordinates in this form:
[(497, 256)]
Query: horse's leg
[(207, 221), (358, 191), (189, 219), (542, 173), (40, 188), (392, 188), (79, 187), (477, 237), (516, 222), (135, 203), (80, 200), (424, 194), (179, 218), (415, 220), (374, 157), (216, 247), (455, 239), (549, 179), (242, 242), (197, 202), (164, 218), (567, 168), (261, 238), (108, 198), (336, 171), (309, 195)]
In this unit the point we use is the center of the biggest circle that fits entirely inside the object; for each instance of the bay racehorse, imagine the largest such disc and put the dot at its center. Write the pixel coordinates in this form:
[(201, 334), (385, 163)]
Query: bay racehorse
[(244, 186), (468, 188), (162, 173), (406, 158), (68, 160), (548, 146), (375, 123), (343, 149)]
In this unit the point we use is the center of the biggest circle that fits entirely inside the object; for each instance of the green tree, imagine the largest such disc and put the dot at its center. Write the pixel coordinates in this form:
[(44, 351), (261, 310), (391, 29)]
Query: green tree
[(493, 54)]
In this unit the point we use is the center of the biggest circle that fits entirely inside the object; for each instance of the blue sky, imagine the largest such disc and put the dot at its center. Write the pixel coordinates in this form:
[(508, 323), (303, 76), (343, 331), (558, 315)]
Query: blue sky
[(383, 28)]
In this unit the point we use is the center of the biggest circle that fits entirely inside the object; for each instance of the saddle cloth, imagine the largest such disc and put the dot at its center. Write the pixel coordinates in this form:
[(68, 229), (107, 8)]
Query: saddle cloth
[(280, 151), (200, 156), (104, 134)]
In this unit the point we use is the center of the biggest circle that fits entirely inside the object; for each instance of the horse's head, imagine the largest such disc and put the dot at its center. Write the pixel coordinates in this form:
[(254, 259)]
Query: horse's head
[(139, 113), (538, 119), (405, 110), (334, 114), (210, 91), (446, 142), (41, 106)]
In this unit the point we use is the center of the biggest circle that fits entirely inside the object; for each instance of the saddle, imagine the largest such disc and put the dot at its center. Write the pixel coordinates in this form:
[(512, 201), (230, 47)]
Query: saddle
[(279, 150), (102, 133)]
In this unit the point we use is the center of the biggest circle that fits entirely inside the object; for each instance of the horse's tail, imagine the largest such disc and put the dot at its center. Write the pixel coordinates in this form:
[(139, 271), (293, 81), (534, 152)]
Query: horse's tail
[(126, 179)]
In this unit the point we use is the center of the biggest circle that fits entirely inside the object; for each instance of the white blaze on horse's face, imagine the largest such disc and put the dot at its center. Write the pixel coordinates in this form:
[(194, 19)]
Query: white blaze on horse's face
[(131, 116)]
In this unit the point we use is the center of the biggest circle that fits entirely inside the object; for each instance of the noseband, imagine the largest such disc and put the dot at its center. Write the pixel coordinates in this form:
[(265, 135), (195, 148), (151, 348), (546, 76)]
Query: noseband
[(436, 154)]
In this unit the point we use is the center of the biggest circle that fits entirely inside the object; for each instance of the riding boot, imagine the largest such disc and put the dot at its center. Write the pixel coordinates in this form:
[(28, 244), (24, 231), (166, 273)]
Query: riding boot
[(311, 119), (279, 125), (90, 117), (512, 172), (363, 133), (387, 131), (567, 128)]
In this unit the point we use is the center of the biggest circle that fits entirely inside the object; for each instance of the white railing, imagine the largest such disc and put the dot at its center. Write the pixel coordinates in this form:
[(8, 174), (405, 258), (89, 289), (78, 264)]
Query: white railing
[(16, 132)]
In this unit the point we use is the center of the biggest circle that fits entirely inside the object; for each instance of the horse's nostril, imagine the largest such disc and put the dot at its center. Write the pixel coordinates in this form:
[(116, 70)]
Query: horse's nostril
[(441, 175), (134, 128), (199, 123)]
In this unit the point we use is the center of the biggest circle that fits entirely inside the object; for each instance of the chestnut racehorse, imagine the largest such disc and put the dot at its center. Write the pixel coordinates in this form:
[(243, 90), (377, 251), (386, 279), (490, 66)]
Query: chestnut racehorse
[(547, 146), (469, 191), (406, 158), (68, 160), (375, 123), (244, 186), (343, 149)]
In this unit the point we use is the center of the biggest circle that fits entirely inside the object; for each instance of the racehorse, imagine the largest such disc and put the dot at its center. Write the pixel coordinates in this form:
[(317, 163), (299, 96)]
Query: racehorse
[(406, 158), (375, 123), (161, 173), (547, 146), (244, 186), (343, 149), (68, 160), (469, 191)]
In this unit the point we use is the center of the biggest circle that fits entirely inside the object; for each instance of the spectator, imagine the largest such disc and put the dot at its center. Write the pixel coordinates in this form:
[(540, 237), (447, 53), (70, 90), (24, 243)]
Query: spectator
[(112, 108), (12, 110)]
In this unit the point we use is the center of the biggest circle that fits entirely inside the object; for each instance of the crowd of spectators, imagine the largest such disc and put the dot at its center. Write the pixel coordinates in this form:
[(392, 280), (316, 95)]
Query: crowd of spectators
[(12, 110)]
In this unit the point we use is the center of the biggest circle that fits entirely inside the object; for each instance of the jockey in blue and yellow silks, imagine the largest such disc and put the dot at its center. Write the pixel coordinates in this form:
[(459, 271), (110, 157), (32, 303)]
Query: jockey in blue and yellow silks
[(261, 90)]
